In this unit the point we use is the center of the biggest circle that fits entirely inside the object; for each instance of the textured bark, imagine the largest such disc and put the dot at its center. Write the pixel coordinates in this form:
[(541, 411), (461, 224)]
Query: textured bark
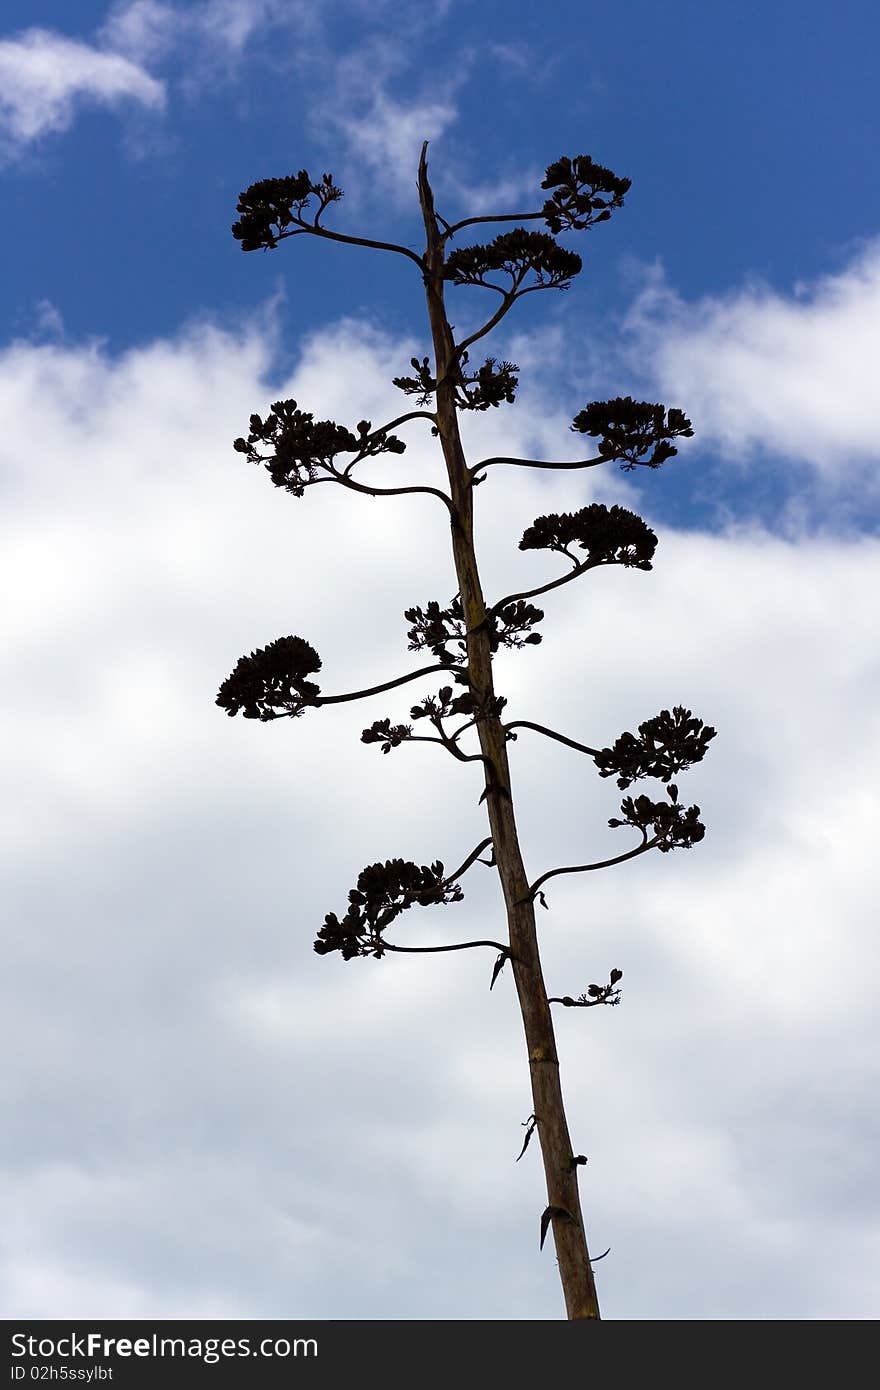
[(551, 1126)]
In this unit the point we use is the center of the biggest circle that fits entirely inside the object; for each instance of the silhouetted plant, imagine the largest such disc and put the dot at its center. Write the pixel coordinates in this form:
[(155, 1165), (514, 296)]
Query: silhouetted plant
[(514, 254), (488, 386), (383, 891), (435, 627), (595, 994), (610, 535), (668, 744), (673, 826), (271, 681), (627, 429), (464, 635), (577, 185)]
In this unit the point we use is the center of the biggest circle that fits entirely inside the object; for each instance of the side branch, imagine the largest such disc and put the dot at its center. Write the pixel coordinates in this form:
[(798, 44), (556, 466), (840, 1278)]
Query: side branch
[(446, 743), (503, 217), (458, 946), (471, 859), (386, 685), (451, 747), (510, 298), (335, 476), (554, 584), (549, 733), (587, 868), (386, 429), (306, 227), (570, 1003), (533, 463)]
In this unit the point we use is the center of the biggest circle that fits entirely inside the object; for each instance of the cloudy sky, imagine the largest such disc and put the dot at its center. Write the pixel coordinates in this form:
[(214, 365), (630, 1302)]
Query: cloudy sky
[(204, 1118)]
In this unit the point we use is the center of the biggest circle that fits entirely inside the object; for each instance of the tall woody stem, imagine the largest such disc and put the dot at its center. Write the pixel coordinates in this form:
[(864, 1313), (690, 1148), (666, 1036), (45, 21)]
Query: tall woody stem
[(563, 1200)]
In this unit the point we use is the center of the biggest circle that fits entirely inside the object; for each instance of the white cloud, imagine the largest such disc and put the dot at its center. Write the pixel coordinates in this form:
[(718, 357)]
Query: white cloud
[(518, 192), (359, 102), (45, 78), (144, 30), (351, 95), (148, 30), (386, 136), (48, 320), (207, 1119), (763, 371)]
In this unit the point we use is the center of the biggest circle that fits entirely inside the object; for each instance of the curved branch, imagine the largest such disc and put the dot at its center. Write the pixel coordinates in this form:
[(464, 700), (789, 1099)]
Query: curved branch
[(533, 463), (577, 1004), (462, 728), (554, 584), (377, 689), (504, 217), (506, 303), (384, 429), (315, 230), (510, 297), (459, 946), (587, 868), (560, 738), (472, 857), (449, 745), (487, 285), (342, 478)]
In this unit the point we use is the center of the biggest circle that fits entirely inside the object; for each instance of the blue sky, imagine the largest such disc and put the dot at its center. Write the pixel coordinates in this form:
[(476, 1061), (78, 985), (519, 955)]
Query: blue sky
[(744, 128), (191, 1093)]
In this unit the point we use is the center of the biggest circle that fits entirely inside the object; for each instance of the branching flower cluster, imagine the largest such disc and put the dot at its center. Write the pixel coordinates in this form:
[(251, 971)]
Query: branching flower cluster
[(271, 682), (595, 994), (488, 386), (383, 891), (584, 193), (436, 709), (517, 254), (444, 705), (435, 628), (387, 734), (510, 625), (271, 207), (422, 385), (610, 535), (628, 429), (303, 447), (667, 744), (676, 827)]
